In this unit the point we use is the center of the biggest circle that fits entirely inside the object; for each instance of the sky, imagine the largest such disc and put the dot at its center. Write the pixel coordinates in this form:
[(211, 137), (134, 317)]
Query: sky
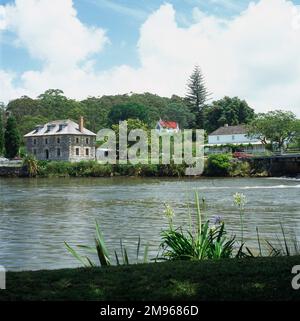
[(248, 49)]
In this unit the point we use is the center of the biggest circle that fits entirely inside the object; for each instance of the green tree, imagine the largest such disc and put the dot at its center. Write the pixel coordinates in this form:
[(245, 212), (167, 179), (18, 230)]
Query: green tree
[(197, 96), (128, 111), (95, 113), (277, 127), (11, 138), (1, 128), (177, 111), (23, 106), (132, 124), (54, 105), (231, 111)]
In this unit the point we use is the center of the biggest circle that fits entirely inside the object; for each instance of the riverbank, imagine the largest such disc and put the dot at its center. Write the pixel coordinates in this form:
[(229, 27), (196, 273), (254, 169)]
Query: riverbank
[(214, 168), (258, 279)]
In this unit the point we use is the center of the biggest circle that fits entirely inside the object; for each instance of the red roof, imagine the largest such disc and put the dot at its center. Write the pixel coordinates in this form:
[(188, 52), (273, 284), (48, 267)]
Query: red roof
[(168, 124)]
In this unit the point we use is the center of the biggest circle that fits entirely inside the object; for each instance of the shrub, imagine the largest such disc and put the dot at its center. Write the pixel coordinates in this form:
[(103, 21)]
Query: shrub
[(57, 168), (31, 165), (200, 242), (101, 170), (79, 169), (150, 170), (218, 165), (240, 168)]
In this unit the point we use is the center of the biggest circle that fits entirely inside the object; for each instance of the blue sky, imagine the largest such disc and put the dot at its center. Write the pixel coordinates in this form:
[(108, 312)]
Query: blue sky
[(115, 46), (122, 20)]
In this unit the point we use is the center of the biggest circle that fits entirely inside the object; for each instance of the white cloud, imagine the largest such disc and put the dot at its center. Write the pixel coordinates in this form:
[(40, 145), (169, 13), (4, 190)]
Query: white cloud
[(51, 31), (254, 55)]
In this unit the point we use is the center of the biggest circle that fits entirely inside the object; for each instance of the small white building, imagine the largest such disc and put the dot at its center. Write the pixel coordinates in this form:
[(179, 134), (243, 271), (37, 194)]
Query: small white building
[(224, 138), (170, 127)]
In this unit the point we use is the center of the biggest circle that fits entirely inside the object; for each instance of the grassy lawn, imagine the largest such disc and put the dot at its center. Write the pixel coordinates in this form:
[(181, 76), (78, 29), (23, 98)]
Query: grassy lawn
[(232, 279)]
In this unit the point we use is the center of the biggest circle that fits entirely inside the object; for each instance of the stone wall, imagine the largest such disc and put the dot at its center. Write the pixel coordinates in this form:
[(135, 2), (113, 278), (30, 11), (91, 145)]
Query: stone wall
[(13, 171), (61, 147), (82, 143), (286, 165)]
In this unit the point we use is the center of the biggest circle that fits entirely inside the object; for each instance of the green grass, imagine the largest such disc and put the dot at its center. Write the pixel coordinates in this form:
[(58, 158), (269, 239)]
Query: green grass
[(228, 279)]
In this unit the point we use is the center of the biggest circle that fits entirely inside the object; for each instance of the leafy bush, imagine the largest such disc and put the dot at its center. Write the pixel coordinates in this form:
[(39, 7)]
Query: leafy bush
[(240, 168), (218, 165), (31, 165), (204, 241), (99, 170)]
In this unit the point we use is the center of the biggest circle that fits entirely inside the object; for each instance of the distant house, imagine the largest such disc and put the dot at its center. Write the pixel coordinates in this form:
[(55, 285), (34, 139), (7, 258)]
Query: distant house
[(170, 127), (61, 140), (226, 137)]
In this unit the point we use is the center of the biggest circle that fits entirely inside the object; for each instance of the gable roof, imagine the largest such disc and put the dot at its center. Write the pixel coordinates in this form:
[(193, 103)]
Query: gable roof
[(168, 124), (230, 130), (59, 127)]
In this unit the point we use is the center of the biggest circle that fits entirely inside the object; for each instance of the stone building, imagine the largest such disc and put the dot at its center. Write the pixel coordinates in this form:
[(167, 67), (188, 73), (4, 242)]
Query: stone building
[(61, 140)]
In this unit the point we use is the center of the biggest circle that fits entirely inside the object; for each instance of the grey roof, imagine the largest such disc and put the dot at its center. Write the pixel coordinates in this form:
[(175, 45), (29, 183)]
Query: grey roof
[(230, 130), (59, 127)]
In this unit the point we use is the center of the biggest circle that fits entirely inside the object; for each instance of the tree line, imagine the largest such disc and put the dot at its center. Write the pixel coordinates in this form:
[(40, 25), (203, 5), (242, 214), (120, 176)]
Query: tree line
[(195, 110)]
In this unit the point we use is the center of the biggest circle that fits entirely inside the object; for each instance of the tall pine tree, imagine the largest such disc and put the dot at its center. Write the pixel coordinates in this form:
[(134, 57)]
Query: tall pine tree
[(197, 96), (11, 138)]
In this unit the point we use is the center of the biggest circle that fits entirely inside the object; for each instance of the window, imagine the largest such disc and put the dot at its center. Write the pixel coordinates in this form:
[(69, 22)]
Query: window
[(46, 153), (86, 140), (87, 152), (77, 140), (233, 137), (34, 141), (34, 152), (46, 141), (58, 152), (58, 140), (77, 151), (218, 137)]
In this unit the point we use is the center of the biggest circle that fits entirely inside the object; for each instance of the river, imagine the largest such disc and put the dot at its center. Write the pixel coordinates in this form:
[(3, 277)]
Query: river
[(38, 215)]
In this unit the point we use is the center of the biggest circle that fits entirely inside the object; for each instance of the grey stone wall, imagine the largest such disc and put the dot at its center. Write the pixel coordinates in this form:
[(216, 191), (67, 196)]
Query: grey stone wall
[(82, 143), (13, 171), (66, 144)]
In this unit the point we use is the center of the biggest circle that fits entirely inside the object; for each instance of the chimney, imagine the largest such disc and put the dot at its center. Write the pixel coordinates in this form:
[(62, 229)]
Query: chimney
[(81, 124)]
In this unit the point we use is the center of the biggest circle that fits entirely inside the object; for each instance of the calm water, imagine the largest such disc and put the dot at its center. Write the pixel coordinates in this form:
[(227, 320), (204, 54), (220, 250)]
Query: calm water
[(37, 216)]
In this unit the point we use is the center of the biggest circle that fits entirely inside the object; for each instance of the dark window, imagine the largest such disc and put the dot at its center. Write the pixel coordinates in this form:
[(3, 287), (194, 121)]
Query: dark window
[(87, 152), (46, 141), (34, 141), (77, 151), (58, 140), (58, 152), (34, 152), (87, 140), (46, 153), (77, 140)]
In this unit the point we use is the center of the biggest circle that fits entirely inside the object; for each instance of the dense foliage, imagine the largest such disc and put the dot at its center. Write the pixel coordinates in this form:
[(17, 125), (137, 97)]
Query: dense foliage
[(277, 127), (196, 97), (1, 132), (218, 165), (231, 111), (12, 138)]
